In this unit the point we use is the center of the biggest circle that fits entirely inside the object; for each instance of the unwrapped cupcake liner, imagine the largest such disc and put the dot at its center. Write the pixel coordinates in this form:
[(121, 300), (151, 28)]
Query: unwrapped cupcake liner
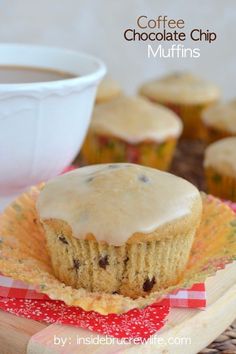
[(194, 297), (23, 255)]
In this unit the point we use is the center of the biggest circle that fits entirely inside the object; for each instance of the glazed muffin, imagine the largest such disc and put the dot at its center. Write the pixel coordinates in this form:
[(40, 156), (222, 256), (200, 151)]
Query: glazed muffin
[(107, 90), (220, 168), (220, 120), (119, 228), (132, 129), (185, 94)]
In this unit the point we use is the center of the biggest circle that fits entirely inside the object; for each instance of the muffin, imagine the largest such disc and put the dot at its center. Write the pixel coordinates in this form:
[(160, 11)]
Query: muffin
[(119, 228), (185, 94), (220, 168), (132, 129), (220, 120), (107, 90)]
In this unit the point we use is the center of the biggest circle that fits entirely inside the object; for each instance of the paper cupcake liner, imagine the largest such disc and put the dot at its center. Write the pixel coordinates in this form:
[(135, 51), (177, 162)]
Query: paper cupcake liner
[(23, 255), (213, 134), (220, 185), (191, 117), (106, 268), (105, 149)]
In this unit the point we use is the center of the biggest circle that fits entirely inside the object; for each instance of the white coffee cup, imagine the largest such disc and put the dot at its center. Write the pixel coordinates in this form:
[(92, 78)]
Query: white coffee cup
[(43, 124)]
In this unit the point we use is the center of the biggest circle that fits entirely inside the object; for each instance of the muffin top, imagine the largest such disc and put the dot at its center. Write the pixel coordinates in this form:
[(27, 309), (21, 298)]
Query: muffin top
[(112, 202), (221, 116), (107, 90), (221, 155), (135, 119), (182, 88)]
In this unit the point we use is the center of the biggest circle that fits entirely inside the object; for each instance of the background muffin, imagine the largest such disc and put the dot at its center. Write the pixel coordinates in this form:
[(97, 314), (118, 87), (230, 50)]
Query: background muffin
[(132, 129), (220, 120), (119, 228), (107, 90), (220, 167), (185, 94)]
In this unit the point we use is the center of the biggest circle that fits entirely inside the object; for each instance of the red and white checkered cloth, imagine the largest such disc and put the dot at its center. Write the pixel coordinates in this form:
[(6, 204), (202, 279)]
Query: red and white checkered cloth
[(23, 300), (194, 297)]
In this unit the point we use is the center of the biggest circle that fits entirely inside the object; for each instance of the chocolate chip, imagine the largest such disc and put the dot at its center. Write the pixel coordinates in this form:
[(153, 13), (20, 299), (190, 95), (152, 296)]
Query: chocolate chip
[(103, 262), (148, 284), (63, 239), (76, 264), (113, 166), (90, 179), (143, 178), (115, 292), (126, 260)]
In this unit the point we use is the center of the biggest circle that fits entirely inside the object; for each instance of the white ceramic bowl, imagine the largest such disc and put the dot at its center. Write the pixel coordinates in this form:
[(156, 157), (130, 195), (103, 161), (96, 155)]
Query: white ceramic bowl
[(42, 125)]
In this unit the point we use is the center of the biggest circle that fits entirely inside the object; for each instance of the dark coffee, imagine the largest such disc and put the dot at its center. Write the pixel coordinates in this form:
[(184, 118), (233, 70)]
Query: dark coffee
[(26, 74)]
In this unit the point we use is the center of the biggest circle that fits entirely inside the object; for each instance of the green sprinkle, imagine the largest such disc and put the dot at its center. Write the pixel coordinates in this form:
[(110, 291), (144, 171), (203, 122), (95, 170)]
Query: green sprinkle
[(17, 207), (216, 178), (160, 149), (110, 144), (120, 158), (233, 223)]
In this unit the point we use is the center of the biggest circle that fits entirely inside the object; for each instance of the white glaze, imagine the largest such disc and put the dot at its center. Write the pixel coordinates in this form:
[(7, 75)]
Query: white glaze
[(221, 155), (135, 119), (221, 116), (114, 201), (107, 90), (180, 88)]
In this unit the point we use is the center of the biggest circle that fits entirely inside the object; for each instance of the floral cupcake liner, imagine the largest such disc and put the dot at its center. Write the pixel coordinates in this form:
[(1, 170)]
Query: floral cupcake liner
[(220, 185), (105, 149), (191, 117), (213, 134)]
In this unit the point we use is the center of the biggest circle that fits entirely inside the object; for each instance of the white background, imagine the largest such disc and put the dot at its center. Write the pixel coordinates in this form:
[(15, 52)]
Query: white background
[(97, 26)]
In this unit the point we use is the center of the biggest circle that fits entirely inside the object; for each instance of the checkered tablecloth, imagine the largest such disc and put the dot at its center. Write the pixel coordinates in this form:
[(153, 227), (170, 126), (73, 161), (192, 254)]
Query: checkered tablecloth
[(194, 297)]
